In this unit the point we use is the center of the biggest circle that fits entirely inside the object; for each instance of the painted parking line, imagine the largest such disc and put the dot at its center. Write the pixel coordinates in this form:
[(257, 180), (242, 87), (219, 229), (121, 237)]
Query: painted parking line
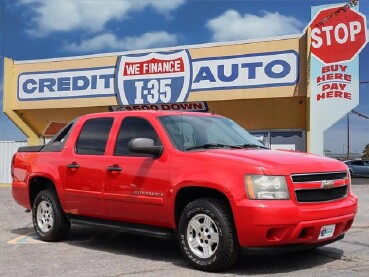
[(29, 238), (5, 185)]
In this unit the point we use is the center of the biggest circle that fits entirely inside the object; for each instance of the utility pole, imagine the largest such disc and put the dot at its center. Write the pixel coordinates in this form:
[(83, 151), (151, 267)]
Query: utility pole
[(348, 136)]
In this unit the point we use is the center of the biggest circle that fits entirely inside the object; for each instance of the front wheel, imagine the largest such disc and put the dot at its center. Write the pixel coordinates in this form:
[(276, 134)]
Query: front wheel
[(48, 217), (207, 235)]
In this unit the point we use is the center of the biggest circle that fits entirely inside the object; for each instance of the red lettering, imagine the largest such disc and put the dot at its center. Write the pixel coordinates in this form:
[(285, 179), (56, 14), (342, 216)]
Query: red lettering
[(320, 79), (338, 94), (333, 76), (175, 107), (165, 107), (325, 69), (198, 106), (320, 96), (347, 95), (343, 68), (347, 77), (326, 86), (186, 106), (333, 94)]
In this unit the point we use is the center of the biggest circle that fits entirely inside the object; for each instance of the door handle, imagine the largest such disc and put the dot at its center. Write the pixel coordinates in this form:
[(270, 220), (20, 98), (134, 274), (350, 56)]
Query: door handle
[(114, 167), (73, 165)]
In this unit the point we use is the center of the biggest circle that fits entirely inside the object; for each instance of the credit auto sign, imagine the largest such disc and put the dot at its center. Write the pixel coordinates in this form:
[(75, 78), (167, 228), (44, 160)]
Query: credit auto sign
[(337, 34), (163, 77), (170, 77)]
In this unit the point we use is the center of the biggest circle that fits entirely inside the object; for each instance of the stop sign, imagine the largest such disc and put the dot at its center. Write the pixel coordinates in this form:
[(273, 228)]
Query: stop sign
[(340, 38)]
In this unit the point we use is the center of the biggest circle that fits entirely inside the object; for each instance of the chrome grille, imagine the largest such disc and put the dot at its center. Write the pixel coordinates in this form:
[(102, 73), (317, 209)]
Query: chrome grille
[(319, 194)]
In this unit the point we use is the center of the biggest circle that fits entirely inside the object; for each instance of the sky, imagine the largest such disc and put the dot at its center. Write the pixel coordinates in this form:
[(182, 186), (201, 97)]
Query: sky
[(38, 29)]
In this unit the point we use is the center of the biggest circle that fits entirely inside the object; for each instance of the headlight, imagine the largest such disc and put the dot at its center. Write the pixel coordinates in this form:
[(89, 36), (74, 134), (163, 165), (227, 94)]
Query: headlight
[(266, 187)]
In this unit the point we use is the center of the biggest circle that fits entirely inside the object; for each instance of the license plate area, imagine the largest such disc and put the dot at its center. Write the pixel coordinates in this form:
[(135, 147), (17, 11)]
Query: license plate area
[(326, 231)]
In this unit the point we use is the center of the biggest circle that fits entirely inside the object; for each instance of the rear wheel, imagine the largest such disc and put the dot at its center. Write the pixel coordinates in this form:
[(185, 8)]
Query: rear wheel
[(207, 235), (48, 217)]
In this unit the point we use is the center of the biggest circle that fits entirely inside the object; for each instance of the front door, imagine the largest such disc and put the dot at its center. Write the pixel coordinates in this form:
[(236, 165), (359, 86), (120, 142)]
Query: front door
[(136, 183)]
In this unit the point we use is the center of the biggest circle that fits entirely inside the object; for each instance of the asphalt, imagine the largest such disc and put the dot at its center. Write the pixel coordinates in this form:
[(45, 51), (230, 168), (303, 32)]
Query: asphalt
[(98, 252)]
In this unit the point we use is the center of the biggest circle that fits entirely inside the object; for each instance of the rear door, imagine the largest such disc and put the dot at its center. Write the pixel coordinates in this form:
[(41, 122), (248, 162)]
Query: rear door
[(136, 183), (86, 168)]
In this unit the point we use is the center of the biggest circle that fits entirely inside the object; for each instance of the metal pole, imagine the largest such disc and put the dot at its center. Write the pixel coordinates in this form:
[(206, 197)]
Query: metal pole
[(348, 136)]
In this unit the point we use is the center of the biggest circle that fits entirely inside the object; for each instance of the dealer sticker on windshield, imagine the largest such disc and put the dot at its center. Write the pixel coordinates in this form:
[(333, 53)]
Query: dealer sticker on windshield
[(327, 231)]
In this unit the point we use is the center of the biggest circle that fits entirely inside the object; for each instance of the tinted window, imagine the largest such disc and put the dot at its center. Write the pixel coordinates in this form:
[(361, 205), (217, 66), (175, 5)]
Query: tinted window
[(134, 127), (357, 163), (94, 136)]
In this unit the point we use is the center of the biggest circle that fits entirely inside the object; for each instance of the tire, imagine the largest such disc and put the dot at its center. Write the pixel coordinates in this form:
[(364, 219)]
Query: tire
[(48, 217), (207, 235)]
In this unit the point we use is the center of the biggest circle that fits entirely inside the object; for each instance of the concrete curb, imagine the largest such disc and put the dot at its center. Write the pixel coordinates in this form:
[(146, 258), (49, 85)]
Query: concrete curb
[(5, 185)]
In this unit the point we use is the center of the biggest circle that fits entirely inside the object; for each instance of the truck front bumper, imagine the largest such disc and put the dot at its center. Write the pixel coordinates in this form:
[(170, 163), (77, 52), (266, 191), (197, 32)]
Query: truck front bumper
[(284, 222)]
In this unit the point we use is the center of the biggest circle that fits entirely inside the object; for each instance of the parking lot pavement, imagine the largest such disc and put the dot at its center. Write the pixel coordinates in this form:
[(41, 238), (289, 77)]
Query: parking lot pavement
[(360, 181), (98, 252)]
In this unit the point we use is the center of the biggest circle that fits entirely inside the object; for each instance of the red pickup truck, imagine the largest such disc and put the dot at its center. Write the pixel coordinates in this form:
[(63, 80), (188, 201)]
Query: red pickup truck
[(197, 176)]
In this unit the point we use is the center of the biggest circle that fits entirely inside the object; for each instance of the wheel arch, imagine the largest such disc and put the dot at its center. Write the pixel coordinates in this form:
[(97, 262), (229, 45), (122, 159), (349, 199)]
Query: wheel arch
[(37, 184), (188, 194)]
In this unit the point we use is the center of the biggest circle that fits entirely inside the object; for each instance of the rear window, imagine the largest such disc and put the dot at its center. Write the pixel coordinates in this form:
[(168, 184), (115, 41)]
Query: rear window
[(94, 136)]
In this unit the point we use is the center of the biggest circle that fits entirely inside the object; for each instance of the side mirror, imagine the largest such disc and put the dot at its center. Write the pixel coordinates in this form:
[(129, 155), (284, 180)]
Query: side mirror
[(145, 146)]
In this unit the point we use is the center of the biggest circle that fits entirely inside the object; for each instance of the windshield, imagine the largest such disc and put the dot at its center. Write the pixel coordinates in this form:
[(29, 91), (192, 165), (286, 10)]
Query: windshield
[(189, 132)]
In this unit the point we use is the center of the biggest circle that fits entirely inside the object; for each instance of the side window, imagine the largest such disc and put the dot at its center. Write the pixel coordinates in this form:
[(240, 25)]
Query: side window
[(359, 163), (94, 136), (134, 127)]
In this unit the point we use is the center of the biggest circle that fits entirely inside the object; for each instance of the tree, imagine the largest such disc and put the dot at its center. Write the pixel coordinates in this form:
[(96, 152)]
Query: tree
[(365, 154)]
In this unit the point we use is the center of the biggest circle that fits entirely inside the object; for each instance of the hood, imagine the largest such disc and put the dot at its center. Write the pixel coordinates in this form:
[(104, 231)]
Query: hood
[(275, 162)]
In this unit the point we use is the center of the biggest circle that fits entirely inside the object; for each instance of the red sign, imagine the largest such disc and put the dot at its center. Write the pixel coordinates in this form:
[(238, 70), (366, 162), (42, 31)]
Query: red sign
[(337, 38)]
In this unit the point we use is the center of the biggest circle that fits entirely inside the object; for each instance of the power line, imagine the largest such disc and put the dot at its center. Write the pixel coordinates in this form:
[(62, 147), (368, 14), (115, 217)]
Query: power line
[(360, 114), (348, 5)]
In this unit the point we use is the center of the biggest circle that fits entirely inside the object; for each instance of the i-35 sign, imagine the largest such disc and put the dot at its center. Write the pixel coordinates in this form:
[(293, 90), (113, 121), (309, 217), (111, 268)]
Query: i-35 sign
[(337, 34)]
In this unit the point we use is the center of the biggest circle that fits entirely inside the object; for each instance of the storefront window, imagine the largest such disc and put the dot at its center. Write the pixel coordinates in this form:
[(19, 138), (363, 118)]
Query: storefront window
[(282, 139)]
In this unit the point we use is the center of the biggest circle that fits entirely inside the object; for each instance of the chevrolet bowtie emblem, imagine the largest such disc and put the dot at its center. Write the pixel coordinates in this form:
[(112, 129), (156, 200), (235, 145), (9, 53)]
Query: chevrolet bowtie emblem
[(327, 184)]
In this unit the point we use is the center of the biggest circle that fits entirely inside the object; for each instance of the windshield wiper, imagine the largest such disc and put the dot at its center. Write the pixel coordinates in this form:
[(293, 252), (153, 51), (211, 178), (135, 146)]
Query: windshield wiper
[(214, 145), (252, 145)]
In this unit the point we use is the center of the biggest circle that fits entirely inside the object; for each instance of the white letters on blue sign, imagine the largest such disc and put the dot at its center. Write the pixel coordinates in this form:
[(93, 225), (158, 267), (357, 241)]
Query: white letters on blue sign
[(244, 71), (163, 77), (96, 82)]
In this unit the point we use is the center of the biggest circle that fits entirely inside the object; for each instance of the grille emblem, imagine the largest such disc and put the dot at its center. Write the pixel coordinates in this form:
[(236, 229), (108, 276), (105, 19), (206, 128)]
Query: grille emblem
[(327, 184)]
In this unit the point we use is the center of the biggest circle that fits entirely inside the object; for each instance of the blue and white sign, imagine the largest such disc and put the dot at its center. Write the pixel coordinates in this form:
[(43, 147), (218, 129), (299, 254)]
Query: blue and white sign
[(153, 78), (162, 78), (246, 71), (78, 83)]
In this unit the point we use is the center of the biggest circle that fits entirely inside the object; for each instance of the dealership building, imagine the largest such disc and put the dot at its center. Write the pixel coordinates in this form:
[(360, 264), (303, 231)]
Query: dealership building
[(286, 91)]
